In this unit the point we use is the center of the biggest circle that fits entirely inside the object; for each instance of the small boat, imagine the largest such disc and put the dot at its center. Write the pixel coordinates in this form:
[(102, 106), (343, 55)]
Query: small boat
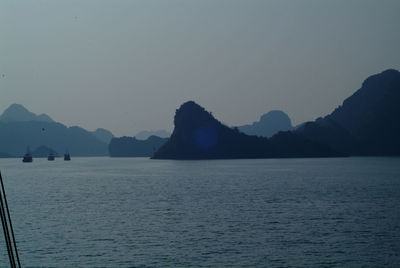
[(67, 157), (27, 157), (51, 157)]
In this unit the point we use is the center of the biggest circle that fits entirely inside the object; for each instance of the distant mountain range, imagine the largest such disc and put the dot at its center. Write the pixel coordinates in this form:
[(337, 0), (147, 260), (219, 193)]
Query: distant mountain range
[(368, 123), (144, 144), (268, 125), (18, 113), (132, 147), (144, 135), (43, 151), (20, 128)]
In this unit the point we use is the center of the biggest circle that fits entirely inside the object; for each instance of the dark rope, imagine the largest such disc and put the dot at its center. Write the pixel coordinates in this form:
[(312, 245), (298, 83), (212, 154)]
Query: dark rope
[(6, 233), (6, 239), (9, 219)]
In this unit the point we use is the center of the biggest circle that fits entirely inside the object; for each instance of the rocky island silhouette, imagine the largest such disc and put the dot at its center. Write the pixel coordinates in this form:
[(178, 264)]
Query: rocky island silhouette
[(367, 123), (198, 135)]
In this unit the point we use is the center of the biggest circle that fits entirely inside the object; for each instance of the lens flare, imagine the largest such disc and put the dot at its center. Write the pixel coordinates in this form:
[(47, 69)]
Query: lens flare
[(205, 137)]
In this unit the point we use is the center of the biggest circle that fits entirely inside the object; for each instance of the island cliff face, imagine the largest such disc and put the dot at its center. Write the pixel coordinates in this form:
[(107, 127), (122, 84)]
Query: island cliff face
[(198, 135), (367, 123)]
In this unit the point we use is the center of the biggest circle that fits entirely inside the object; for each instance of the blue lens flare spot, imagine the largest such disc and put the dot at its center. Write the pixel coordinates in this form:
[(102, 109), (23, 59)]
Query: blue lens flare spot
[(205, 137)]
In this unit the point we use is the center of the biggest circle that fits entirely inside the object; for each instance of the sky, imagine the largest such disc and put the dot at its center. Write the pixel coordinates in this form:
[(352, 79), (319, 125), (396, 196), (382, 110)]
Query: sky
[(128, 65)]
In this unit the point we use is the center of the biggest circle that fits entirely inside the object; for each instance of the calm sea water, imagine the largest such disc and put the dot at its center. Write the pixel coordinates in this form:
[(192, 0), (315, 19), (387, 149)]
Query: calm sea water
[(136, 212)]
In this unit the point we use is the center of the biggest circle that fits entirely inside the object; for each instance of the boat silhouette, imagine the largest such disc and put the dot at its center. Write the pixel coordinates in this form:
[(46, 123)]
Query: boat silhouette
[(67, 157), (27, 156), (51, 157)]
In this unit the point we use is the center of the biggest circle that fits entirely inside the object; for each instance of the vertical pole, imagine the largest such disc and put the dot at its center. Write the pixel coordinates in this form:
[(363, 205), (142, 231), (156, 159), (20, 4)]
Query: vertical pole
[(6, 233), (9, 219)]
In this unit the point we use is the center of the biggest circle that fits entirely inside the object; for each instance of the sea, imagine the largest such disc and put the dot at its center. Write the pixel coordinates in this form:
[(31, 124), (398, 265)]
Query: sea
[(137, 212)]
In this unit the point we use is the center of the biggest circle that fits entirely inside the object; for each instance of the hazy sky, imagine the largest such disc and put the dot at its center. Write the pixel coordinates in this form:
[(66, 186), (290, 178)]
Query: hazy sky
[(127, 65)]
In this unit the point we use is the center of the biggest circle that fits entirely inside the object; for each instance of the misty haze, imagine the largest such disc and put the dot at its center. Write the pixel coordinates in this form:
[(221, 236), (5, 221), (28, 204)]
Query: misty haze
[(212, 133)]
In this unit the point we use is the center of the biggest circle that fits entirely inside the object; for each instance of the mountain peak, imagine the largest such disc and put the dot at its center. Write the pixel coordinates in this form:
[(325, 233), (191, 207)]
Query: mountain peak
[(191, 107), (384, 77), (17, 112), (15, 107), (145, 134), (190, 114), (103, 135), (274, 114), (269, 124)]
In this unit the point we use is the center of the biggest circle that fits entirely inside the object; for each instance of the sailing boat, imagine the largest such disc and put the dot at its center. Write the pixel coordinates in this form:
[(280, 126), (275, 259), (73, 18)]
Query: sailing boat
[(67, 157), (51, 156), (27, 157)]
